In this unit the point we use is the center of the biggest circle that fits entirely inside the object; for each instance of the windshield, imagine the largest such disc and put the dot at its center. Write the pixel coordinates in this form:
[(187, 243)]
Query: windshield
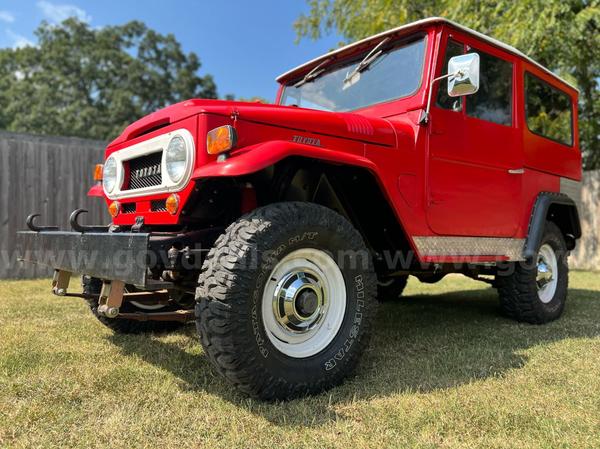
[(394, 74)]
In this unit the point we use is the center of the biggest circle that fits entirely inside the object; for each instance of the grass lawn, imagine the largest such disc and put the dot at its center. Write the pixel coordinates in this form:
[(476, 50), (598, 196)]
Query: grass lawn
[(443, 370)]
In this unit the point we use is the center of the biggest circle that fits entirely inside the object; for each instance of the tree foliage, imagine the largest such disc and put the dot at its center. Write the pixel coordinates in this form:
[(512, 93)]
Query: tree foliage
[(87, 82), (563, 35)]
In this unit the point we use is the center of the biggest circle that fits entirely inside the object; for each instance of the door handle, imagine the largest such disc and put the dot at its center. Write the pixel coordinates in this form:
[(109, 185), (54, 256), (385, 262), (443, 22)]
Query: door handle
[(516, 171)]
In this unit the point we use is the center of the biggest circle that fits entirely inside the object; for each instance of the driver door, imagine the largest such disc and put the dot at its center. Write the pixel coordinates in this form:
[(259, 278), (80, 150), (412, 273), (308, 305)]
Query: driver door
[(475, 163)]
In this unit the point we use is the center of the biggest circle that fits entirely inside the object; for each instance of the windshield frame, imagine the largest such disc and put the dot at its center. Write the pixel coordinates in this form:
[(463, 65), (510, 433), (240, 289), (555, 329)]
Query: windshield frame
[(356, 58)]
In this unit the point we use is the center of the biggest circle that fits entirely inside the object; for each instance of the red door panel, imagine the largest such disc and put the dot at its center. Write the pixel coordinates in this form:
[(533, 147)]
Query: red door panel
[(472, 200)]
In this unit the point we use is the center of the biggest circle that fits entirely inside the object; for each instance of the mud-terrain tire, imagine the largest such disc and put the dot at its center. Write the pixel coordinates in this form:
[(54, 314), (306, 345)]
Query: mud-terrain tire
[(529, 292), (122, 326), (389, 290), (270, 254)]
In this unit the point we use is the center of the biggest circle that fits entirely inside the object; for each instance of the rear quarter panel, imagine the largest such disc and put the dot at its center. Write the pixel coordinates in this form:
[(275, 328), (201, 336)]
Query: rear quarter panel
[(543, 154), (545, 161)]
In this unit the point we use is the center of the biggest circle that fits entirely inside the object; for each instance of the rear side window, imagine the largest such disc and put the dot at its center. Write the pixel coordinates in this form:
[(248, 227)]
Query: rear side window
[(548, 110), (493, 100)]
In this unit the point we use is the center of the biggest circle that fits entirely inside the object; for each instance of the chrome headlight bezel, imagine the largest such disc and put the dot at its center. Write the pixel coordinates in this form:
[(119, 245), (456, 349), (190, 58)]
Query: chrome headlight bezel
[(110, 175), (176, 158)]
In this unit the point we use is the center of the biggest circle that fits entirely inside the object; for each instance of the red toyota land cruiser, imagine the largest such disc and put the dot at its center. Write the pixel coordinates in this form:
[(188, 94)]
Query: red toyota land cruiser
[(425, 150)]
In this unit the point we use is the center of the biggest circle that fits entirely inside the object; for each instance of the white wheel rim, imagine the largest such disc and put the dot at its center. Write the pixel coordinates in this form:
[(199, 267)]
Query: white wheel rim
[(547, 273), (303, 303)]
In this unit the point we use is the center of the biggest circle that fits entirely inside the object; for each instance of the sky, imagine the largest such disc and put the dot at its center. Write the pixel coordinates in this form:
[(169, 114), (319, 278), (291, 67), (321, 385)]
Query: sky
[(244, 44)]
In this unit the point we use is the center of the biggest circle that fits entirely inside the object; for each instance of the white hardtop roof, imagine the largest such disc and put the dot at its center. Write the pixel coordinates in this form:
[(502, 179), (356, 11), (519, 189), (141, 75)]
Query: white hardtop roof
[(417, 24)]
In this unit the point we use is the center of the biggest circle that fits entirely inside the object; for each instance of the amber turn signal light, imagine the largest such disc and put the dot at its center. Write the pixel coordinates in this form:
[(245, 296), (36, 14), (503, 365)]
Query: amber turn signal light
[(172, 203), (114, 208), (98, 169), (221, 139)]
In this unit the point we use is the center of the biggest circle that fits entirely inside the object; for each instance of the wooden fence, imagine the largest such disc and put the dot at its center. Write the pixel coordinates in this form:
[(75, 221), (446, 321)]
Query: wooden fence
[(47, 175), (587, 253), (51, 176)]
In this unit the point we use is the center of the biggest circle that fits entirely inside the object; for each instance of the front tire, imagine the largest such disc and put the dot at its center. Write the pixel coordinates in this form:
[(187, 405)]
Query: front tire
[(536, 292), (285, 301)]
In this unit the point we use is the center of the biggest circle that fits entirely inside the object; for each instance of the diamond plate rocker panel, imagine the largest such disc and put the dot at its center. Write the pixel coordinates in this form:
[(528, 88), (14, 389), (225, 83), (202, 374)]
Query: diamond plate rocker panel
[(470, 246)]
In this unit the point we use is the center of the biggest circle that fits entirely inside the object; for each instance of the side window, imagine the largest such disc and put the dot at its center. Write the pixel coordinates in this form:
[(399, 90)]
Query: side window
[(548, 111), (444, 101), (493, 100)]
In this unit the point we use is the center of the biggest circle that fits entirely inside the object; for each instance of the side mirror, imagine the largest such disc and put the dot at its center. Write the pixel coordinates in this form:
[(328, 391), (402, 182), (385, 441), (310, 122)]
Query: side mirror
[(463, 75)]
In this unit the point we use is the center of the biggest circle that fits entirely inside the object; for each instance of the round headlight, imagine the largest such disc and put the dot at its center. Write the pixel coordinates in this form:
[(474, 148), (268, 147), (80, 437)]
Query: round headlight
[(109, 174), (176, 159)]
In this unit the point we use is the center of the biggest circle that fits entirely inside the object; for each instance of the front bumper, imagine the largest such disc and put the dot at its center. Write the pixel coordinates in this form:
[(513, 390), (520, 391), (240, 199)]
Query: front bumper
[(109, 256), (135, 257)]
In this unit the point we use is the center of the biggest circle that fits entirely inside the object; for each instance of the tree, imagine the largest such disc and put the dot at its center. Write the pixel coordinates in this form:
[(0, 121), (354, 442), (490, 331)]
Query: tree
[(563, 35), (86, 82)]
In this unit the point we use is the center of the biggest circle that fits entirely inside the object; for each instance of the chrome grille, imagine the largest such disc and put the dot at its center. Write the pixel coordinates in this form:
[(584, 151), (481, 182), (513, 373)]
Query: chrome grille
[(145, 171)]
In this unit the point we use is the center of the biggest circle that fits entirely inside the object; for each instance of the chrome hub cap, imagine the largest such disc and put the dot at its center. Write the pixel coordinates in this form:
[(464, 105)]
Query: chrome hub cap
[(299, 300), (304, 303), (547, 273)]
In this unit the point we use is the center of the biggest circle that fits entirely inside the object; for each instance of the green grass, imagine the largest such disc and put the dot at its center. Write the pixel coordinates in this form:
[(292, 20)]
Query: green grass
[(444, 370)]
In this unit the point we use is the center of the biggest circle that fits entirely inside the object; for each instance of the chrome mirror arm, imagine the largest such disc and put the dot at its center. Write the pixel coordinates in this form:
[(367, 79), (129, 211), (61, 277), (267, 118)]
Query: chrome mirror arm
[(424, 119)]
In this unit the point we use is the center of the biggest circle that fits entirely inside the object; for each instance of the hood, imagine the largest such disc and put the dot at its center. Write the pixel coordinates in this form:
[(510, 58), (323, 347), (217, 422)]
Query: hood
[(338, 124)]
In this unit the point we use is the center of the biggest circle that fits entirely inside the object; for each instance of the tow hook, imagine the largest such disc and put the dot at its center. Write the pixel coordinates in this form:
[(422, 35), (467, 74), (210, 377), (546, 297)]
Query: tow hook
[(35, 228), (77, 227)]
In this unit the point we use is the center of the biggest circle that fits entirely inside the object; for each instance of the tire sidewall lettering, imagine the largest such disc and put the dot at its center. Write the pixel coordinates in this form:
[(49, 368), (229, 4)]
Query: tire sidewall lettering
[(354, 332)]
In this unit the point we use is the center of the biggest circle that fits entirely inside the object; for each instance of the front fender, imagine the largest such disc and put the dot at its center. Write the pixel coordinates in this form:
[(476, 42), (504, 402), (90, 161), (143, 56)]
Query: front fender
[(257, 157), (96, 190)]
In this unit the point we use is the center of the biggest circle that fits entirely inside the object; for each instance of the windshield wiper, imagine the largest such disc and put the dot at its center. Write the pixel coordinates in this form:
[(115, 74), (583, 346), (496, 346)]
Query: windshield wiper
[(367, 60), (313, 74)]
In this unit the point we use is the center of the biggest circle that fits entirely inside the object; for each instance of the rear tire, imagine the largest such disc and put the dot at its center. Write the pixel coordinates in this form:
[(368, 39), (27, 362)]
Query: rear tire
[(536, 292), (278, 315), (122, 326)]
